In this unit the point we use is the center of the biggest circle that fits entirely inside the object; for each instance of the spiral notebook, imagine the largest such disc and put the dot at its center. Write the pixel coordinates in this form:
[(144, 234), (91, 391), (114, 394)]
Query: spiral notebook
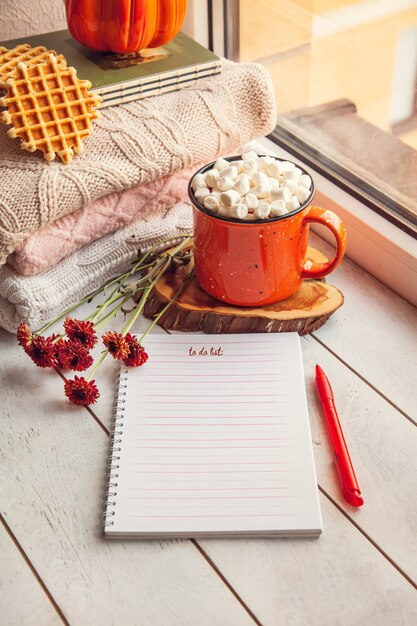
[(212, 438)]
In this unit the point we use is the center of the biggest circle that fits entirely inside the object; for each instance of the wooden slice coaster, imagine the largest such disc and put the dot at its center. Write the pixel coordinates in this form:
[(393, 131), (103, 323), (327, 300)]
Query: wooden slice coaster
[(194, 310)]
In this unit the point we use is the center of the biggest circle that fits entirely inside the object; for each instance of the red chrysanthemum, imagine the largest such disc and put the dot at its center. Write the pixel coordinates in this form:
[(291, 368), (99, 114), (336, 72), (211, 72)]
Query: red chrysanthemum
[(24, 336), (81, 391), (137, 355), (42, 352), (79, 330), (59, 347), (116, 344), (72, 355)]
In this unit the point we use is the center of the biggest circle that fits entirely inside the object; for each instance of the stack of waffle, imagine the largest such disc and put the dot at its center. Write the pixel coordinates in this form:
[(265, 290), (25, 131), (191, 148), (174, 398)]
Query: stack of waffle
[(81, 192)]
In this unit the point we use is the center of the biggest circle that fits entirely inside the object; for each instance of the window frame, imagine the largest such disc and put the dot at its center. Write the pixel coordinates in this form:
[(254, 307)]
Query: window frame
[(376, 244)]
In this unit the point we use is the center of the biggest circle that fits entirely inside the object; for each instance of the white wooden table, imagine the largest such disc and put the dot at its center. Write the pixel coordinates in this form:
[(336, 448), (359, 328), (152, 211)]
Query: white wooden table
[(56, 567)]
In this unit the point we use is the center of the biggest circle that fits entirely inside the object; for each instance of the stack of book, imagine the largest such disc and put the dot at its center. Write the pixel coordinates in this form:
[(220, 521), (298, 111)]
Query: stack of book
[(120, 78)]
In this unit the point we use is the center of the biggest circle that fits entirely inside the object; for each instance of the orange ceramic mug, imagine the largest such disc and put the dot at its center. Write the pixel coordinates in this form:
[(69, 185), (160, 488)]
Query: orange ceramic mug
[(254, 263)]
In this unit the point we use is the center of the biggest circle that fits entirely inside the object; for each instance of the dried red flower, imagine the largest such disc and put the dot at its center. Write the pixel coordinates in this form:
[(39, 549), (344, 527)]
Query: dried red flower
[(137, 354), (42, 351), (72, 355), (116, 344), (79, 330), (24, 336), (81, 391), (59, 347)]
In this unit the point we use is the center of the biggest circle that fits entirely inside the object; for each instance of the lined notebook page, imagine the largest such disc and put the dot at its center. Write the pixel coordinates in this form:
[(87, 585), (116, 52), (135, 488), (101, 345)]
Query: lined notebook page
[(215, 439)]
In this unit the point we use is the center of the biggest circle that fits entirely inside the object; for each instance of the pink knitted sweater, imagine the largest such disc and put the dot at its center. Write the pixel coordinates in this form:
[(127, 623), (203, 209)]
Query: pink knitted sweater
[(47, 246)]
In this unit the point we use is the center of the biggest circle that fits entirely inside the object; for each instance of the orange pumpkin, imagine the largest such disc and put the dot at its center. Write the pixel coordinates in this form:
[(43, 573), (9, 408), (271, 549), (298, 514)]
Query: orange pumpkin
[(124, 25)]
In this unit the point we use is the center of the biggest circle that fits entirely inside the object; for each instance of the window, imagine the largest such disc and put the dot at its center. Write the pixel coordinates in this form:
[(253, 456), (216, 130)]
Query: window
[(345, 75)]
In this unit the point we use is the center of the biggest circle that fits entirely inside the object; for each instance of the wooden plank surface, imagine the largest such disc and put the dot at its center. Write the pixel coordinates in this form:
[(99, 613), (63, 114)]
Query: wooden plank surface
[(339, 579), (383, 448), (22, 600), (374, 332), (383, 444), (53, 466)]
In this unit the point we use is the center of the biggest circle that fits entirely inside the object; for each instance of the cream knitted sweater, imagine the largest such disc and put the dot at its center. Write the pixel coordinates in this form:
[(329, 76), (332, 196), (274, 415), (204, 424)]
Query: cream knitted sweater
[(38, 299), (134, 144)]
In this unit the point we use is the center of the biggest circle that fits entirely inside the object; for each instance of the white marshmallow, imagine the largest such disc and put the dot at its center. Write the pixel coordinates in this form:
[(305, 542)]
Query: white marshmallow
[(283, 193), (262, 190), (287, 165), (220, 164), (305, 181), (278, 207), (292, 174), (225, 183), (264, 162), (262, 211), (224, 210), (291, 185), (293, 204), (264, 185), (242, 186), (302, 193), (260, 177), (251, 201), (250, 167), (211, 202), (250, 156), (275, 168), (239, 211), (230, 197), (238, 165), (201, 193), (229, 172), (198, 182), (212, 177)]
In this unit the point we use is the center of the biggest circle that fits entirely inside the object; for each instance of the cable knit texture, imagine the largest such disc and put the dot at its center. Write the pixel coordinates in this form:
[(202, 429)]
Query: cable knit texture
[(38, 299), (47, 246), (133, 144)]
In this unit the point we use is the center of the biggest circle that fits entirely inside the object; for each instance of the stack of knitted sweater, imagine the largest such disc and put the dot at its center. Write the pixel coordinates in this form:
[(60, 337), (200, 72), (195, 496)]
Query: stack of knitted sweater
[(65, 230)]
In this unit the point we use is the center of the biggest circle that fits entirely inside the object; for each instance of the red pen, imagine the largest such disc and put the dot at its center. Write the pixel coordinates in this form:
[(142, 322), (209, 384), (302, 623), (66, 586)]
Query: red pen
[(347, 478)]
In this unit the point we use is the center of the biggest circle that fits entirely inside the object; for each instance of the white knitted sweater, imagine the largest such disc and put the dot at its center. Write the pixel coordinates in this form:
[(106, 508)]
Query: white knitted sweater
[(134, 144), (38, 299)]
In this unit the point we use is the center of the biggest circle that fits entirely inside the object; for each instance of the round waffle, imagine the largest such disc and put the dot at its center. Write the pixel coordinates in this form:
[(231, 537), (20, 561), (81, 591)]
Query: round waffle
[(23, 54), (50, 109)]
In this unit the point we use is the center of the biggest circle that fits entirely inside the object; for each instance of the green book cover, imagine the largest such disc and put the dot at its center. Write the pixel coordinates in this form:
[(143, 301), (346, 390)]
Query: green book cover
[(119, 78)]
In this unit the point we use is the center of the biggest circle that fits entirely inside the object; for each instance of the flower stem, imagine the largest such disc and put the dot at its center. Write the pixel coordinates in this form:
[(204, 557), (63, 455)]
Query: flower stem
[(113, 312), (118, 279), (166, 260), (167, 306), (97, 365)]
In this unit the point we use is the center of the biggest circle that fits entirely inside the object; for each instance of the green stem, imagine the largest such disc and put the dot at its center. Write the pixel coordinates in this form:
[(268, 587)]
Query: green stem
[(166, 260), (68, 310), (166, 307), (112, 312), (97, 365), (114, 297), (118, 279), (142, 301)]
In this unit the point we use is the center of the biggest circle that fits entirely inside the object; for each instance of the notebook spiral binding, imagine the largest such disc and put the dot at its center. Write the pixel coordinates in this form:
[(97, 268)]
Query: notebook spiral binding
[(116, 440)]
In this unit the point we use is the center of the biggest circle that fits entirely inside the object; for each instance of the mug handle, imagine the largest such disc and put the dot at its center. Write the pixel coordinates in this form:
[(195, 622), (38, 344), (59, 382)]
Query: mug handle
[(335, 224)]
